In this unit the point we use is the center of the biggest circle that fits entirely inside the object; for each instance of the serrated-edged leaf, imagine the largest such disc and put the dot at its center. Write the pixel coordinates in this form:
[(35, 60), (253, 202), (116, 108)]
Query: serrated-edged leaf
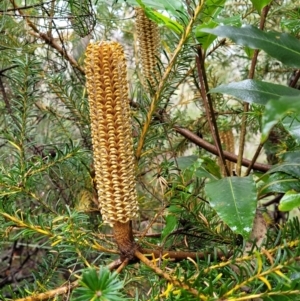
[(234, 199), (255, 91), (289, 201), (282, 46), (260, 4), (279, 182), (276, 110)]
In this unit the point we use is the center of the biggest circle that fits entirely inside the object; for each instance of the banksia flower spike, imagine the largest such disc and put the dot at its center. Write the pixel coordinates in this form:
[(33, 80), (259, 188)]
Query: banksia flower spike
[(148, 43), (227, 140), (106, 82)]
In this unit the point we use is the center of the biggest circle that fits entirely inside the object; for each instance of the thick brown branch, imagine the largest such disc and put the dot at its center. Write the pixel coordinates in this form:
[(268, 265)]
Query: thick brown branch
[(212, 149), (125, 241), (165, 275), (181, 255)]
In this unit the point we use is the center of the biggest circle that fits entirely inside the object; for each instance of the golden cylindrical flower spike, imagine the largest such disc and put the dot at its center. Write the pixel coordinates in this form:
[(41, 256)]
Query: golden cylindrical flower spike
[(107, 86), (148, 43), (227, 140)]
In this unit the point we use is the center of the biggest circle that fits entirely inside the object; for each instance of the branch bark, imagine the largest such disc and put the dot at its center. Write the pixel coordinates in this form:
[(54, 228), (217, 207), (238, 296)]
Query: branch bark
[(212, 149)]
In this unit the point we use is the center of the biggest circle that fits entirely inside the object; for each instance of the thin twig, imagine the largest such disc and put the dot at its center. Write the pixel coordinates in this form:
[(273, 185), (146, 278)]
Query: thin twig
[(258, 150), (24, 7), (49, 40), (208, 105), (52, 293), (181, 255), (166, 276), (4, 95), (246, 105), (295, 80)]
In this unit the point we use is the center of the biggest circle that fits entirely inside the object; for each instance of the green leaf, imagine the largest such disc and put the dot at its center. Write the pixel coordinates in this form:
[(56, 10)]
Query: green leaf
[(278, 182), (289, 201), (276, 110), (290, 164), (260, 4), (174, 8), (186, 161), (98, 286), (171, 225), (282, 46), (163, 20), (292, 125), (255, 91), (249, 52), (234, 199), (207, 168), (205, 39), (200, 167)]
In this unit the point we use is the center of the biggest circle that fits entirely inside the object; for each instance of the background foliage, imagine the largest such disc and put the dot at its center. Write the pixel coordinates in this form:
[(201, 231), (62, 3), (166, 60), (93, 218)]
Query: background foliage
[(193, 203)]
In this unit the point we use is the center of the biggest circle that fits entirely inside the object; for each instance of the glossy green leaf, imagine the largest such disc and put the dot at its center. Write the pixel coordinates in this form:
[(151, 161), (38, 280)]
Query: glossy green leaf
[(234, 199), (163, 20), (260, 4), (292, 125), (278, 182), (200, 167), (208, 16), (160, 18), (174, 8), (282, 46), (207, 168), (289, 201), (290, 164), (205, 39), (276, 110), (255, 91)]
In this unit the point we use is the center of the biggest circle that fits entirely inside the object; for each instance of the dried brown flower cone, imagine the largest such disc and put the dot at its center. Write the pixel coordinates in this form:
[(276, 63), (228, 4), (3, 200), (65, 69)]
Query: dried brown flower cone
[(227, 140), (106, 82), (148, 43)]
